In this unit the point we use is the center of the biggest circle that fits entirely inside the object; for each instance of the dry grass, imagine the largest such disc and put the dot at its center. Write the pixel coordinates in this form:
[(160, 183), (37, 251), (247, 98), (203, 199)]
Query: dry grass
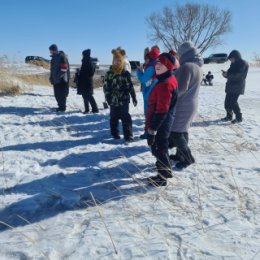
[(34, 79), (42, 64)]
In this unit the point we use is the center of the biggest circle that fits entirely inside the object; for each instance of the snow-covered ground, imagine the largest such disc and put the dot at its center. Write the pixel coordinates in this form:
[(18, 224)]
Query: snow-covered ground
[(69, 191)]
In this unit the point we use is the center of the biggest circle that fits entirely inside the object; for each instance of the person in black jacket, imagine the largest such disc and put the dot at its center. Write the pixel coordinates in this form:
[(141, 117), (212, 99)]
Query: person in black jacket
[(59, 76), (85, 83), (235, 86)]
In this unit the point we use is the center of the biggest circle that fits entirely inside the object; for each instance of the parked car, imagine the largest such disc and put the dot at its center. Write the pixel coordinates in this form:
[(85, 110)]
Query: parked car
[(216, 58), (134, 64), (29, 59), (96, 62)]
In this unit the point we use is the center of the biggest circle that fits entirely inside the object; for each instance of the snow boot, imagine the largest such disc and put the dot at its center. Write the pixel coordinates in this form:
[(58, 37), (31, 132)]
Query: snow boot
[(238, 119), (228, 117)]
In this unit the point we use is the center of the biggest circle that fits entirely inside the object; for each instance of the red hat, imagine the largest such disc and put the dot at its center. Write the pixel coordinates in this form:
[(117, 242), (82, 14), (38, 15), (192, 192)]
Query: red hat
[(172, 52), (154, 53), (167, 60)]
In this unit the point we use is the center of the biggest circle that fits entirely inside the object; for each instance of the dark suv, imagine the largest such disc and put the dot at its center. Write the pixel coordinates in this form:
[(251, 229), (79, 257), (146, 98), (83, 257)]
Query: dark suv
[(216, 58), (30, 59)]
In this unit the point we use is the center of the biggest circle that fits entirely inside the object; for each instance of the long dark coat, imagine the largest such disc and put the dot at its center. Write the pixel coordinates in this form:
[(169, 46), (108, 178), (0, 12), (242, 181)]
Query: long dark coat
[(236, 74), (86, 74)]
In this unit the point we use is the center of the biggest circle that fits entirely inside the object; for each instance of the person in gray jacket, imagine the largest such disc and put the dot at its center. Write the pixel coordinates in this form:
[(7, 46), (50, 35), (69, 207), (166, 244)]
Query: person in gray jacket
[(235, 86), (59, 76), (189, 77)]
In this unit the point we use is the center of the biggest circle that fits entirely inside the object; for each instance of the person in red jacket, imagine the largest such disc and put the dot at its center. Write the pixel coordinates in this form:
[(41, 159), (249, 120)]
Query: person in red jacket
[(160, 115)]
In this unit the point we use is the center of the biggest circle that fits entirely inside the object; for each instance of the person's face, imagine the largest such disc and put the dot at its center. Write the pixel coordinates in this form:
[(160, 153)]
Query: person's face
[(232, 60), (160, 68), (117, 62), (52, 52)]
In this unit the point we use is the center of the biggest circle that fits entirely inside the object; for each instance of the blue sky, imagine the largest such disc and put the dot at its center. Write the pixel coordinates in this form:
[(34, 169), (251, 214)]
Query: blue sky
[(28, 27)]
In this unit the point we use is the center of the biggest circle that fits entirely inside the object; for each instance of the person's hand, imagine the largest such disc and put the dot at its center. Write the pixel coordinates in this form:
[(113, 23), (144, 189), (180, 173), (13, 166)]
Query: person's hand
[(134, 101), (151, 137)]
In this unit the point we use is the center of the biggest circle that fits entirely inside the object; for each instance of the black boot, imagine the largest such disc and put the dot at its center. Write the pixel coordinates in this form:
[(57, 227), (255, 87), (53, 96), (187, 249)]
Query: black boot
[(238, 119), (188, 159), (228, 117)]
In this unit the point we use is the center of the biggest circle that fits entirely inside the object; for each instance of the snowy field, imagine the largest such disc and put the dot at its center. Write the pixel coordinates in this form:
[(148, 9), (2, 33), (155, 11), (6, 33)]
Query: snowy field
[(69, 191)]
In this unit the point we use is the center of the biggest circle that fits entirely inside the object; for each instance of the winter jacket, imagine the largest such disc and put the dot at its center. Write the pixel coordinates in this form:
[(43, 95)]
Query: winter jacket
[(161, 103), (236, 74), (60, 71), (147, 81), (118, 88), (86, 74), (189, 76)]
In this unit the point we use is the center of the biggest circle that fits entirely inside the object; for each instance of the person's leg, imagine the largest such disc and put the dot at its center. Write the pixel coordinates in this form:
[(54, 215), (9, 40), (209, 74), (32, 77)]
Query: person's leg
[(86, 103), (228, 107), (126, 122), (60, 92), (236, 109), (92, 103), (163, 164), (114, 121), (183, 153)]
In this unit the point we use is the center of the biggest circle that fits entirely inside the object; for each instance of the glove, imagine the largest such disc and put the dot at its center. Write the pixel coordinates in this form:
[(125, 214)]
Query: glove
[(150, 139), (134, 101), (151, 136)]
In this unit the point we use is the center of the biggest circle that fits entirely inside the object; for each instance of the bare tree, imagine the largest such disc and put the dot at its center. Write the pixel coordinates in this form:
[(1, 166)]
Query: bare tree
[(200, 23)]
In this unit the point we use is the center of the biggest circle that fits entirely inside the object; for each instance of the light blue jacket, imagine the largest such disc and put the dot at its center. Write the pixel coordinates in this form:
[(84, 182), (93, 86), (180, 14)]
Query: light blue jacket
[(147, 81)]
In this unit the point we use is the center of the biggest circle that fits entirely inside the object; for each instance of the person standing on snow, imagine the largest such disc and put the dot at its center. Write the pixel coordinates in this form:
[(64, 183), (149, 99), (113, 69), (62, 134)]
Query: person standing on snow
[(59, 76), (147, 77), (117, 88), (85, 82), (235, 86), (189, 77), (159, 117)]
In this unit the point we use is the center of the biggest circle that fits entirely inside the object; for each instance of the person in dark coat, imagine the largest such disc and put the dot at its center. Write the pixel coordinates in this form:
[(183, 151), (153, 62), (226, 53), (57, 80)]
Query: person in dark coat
[(189, 77), (118, 88), (85, 84), (235, 86), (159, 116), (59, 76)]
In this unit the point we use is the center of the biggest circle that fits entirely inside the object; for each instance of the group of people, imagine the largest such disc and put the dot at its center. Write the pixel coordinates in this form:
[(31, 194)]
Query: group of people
[(170, 83)]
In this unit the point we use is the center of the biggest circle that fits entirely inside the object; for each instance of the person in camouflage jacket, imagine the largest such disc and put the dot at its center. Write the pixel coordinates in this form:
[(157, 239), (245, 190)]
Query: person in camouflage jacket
[(118, 88)]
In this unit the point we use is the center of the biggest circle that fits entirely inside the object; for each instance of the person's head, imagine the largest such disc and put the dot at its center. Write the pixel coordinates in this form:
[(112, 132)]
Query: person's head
[(118, 60), (234, 56), (156, 47), (164, 63), (185, 47), (53, 49), (153, 54), (86, 53), (209, 72)]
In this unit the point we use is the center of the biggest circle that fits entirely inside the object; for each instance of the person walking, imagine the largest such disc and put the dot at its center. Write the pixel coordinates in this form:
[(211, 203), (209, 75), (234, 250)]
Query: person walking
[(118, 88), (85, 82), (159, 117), (189, 77), (235, 86), (59, 76)]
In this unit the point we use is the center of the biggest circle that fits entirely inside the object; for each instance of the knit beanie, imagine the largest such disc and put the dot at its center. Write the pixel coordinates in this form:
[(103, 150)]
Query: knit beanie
[(153, 54), (185, 47), (167, 59), (53, 47), (118, 56)]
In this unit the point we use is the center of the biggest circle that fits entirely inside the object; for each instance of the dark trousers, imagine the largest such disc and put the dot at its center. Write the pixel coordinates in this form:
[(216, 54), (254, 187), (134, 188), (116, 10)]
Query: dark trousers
[(160, 151), (231, 104), (88, 98), (61, 92), (180, 141), (121, 112)]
